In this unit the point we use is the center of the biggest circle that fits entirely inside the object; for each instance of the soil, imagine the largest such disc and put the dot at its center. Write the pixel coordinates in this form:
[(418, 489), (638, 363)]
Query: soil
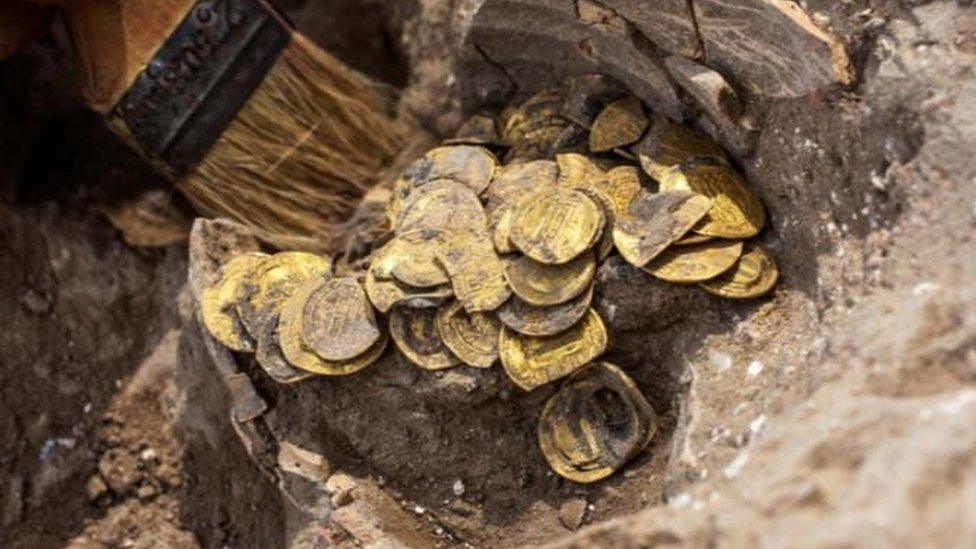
[(836, 412)]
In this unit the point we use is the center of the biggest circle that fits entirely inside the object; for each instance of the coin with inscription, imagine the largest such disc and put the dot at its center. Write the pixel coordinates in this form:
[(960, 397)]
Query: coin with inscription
[(622, 184), (596, 422), (218, 303), (531, 320), (753, 276), (338, 322), (688, 264), (415, 334), (441, 205), (556, 225), (501, 228), (545, 285), (620, 123), (472, 337), (535, 120), (385, 294), (655, 221), (736, 212), (667, 144), (531, 362), (273, 281), (299, 355), (477, 273), (413, 259)]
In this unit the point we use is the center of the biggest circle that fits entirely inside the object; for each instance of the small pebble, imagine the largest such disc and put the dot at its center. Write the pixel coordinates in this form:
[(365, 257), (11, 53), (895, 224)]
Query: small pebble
[(572, 512), (458, 488)]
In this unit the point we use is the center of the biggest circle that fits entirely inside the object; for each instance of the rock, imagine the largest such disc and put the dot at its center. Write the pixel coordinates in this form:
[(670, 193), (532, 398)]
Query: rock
[(36, 302), (572, 512), (96, 488), (770, 46), (667, 23)]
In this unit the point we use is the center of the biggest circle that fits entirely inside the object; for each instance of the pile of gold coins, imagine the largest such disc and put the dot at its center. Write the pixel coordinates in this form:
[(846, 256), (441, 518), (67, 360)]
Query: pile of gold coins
[(489, 261)]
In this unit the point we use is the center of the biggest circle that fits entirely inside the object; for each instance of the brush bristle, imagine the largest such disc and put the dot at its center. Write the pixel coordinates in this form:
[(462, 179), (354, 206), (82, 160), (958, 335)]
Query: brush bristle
[(301, 153)]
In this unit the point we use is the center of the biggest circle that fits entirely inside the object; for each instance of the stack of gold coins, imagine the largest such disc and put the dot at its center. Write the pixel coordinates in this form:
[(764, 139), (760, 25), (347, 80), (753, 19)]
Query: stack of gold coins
[(488, 261)]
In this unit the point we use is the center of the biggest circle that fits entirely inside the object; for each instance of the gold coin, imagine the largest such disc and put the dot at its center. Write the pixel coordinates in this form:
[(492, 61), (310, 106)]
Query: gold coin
[(271, 359), (620, 123), (596, 423), (537, 120), (556, 225), (338, 322), (469, 165), (546, 285), (667, 144), (385, 294), (736, 213), (578, 171), (754, 276), (441, 206), (514, 180), (293, 346), (414, 260), (698, 263), (218, 303), (472, 337), (477, 273), (530, 320), (414, 332), (655, 221), (531, 362), (274, 280)]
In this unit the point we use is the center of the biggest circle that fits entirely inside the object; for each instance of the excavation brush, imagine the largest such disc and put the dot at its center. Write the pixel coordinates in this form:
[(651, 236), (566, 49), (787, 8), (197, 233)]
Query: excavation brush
[(246, 116)]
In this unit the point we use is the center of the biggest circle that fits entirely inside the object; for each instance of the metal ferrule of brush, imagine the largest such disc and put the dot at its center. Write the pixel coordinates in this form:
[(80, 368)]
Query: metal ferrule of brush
[(198, 80)]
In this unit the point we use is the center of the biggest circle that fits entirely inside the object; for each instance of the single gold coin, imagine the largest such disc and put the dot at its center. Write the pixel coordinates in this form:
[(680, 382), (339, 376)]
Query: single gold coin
[(514, 180), (293, 346), (754, 276), (338, 322), (666, 145), (556, 225), (274, 280), (472, 337), (469, 165), (414, 332), (270, 357), (736, 213), (385, 294), (655, 221), (689, 264), (596, 423), (578, 171), (218, 303), (531, 362), (535, 121), (477, 273), (546, 285), (413, 259), (621, 123), (441, 205), (536, 321)]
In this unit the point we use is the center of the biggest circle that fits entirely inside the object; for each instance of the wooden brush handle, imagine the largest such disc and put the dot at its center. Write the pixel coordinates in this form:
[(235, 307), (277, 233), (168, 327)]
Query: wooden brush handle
[(114, 39)]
